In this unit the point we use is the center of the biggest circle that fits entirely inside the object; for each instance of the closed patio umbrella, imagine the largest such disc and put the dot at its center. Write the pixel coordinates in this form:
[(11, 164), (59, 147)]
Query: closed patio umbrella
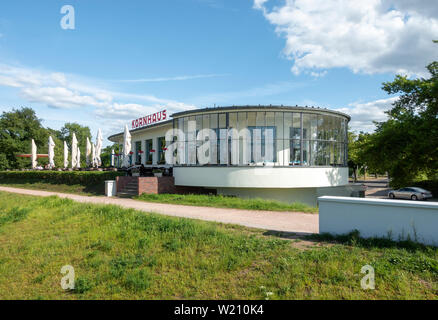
[(65, 155), (88, 158), (74, 152), (34, 154), (51, 153), (126, 147), (98, 147)]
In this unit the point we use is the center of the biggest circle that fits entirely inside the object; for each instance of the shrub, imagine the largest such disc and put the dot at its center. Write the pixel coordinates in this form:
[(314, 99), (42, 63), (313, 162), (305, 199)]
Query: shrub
[(85, 178)]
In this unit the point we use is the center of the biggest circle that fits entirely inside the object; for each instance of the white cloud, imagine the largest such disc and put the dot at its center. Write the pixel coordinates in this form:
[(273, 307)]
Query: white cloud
[(61, 91), (59, 97), (372, 36), (364, 113)]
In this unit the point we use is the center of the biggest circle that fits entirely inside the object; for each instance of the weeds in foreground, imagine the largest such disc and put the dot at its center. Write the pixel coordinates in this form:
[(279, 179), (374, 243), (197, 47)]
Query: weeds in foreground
[(126, 254)]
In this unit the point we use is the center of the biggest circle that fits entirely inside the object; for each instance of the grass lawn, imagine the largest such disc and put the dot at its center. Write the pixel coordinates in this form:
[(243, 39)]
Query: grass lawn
[(191, 200), (219, 201), (95, 190), (126, 254)]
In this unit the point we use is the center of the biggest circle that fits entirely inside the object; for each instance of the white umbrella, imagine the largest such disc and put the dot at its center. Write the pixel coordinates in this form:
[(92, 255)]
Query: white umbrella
[(78, 161), (74, 152), (126, 147), (93, 156), (51, 152), (88, 158), (112, 157), (98, 147), (65, 155), (34, 154)]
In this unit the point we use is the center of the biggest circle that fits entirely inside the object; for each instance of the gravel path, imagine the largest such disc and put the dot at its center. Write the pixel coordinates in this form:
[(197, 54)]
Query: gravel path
[(296, 222)]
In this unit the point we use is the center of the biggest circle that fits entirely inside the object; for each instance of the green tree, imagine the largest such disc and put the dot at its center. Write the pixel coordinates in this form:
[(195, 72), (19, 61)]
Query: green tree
[(17, 128), (81, 132), (357, 159), (106, 154), (406, 145)]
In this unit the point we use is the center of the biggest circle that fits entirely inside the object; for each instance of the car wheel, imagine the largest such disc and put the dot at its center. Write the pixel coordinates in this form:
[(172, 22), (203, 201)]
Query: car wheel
[(414, 197), (391, 196)]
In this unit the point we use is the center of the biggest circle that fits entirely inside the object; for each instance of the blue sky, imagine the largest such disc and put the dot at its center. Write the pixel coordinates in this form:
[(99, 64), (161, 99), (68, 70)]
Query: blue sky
[(126, 59)]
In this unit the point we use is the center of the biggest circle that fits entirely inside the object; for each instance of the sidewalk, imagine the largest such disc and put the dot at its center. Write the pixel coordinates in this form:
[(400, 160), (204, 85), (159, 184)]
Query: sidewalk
[(269, 220)]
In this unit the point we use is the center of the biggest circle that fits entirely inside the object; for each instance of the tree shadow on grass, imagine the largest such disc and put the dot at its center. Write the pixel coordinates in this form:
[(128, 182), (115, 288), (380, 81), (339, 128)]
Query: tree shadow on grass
[(352, 239)]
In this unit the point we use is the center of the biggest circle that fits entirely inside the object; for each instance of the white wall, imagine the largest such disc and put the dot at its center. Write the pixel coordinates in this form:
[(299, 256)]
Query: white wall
[(381, 218), (260, 177)]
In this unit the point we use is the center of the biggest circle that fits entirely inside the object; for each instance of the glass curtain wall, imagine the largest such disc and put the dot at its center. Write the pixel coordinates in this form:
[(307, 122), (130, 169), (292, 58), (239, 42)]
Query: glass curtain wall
[(264, 138)]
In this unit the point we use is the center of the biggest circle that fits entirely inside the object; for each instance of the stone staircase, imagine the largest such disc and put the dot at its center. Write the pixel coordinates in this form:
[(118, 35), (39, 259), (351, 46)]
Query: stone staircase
[(130, 190)]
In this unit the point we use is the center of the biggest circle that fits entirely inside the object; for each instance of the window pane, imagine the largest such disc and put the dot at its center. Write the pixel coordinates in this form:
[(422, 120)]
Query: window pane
[(161, 147), (296, 126), (242, 120), (260, 120), (137, 152), (287, 125), (232, 119), (279, 124), (295, 154), (306, 153)]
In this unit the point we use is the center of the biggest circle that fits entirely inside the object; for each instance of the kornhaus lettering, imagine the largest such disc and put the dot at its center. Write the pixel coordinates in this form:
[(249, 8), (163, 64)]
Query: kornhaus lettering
[(150, 119)]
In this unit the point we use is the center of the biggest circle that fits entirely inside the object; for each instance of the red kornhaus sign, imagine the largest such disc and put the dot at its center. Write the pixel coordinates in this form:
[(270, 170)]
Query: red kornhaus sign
[(150, 119)]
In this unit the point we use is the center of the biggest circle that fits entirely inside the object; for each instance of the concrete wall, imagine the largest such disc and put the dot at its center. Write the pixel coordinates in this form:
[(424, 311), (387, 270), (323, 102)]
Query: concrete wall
[(261, 177), (397, 219)]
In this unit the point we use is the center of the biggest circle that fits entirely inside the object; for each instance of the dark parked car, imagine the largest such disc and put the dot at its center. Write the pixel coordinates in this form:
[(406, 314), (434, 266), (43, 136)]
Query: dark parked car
[(412, 193)]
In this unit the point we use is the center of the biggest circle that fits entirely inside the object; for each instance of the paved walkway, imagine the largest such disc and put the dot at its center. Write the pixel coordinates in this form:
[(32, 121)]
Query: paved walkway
[(269, 220)]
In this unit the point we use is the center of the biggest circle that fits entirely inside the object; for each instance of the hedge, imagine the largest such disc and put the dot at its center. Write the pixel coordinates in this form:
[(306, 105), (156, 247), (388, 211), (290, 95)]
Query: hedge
[(85, 178)]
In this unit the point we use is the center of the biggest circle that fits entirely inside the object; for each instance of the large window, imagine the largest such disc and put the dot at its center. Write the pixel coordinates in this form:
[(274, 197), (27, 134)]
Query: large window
[(161, 148), (275, 138), (137, 155), (148, 153)]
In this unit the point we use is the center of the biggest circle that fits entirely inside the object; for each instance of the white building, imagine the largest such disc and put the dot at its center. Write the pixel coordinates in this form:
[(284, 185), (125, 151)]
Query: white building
[(275, 152)]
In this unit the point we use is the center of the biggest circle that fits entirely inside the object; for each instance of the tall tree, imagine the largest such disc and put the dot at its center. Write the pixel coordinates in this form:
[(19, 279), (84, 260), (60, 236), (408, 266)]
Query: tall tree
[(407, 144), (17, 128), (81, 132)]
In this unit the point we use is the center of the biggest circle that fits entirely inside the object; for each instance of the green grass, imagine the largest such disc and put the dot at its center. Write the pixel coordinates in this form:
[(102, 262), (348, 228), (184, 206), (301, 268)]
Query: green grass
[(219, 201), (94, 190), (126, 254)]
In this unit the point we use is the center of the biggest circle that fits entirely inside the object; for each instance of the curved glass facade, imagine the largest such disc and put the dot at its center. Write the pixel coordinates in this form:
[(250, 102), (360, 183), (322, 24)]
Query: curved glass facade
[(260, 138)]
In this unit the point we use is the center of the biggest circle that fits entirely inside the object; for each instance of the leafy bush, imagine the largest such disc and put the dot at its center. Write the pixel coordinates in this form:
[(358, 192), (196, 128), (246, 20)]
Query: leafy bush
[(85, 178)]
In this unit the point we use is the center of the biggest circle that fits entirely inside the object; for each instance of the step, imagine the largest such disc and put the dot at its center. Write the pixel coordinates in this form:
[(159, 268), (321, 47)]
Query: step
[(131, 184), (130, 189), (126, 194)]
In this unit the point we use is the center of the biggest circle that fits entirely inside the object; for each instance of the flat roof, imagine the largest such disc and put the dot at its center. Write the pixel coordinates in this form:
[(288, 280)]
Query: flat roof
[(237, 108)]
